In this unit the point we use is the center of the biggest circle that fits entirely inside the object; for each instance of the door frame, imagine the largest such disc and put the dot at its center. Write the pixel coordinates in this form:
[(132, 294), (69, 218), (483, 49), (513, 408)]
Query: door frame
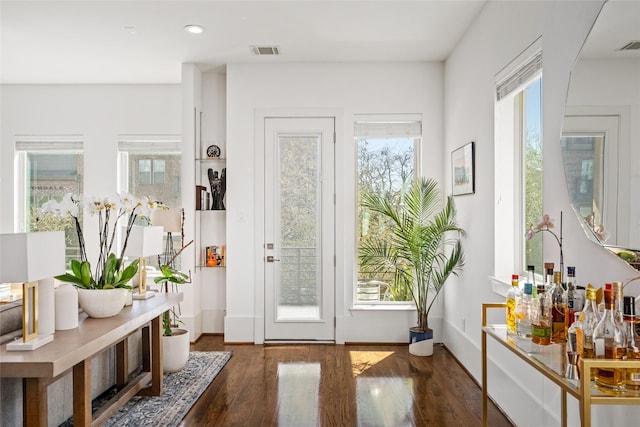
[(260, 116)]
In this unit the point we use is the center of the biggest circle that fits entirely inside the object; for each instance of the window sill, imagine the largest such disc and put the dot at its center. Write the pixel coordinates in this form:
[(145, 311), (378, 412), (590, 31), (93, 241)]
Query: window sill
[(500, 285), (383, 307)]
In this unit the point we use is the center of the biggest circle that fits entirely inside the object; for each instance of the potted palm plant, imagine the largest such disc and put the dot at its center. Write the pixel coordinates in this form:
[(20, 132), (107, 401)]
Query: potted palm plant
[(422, 250)]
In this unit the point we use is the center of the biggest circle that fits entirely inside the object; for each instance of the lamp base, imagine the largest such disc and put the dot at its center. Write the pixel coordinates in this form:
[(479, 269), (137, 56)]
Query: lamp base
[(29, 345), (146, 295)]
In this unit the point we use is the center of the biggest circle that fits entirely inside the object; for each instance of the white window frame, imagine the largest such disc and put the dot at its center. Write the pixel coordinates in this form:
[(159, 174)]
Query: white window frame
[(24, 144), (509, 222), (383, 126)]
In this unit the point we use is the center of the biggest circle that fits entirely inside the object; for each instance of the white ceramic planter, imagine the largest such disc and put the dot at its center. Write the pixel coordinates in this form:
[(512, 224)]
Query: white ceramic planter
[(422, 348), (175, 350), (420, 342), (101, 303)]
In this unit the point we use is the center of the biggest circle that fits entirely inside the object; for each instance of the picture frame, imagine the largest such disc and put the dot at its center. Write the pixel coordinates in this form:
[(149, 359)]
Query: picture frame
[(463, 169)]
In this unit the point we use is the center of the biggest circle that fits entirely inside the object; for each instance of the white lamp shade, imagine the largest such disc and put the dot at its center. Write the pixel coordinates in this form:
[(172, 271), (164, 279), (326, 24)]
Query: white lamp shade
[(170, 219), (27, 257), (144, 241)]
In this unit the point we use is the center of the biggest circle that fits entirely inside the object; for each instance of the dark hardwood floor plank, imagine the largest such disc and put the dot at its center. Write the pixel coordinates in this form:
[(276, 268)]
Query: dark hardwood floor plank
[(338, 385)]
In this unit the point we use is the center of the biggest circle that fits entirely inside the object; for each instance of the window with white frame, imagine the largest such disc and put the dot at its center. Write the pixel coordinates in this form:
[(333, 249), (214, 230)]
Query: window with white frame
[(48, 167), (151, 166), (519, 163), (387, 162)]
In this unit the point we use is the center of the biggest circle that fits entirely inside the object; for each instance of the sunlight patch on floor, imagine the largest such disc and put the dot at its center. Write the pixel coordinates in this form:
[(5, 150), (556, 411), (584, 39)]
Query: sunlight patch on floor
[(363, 360)]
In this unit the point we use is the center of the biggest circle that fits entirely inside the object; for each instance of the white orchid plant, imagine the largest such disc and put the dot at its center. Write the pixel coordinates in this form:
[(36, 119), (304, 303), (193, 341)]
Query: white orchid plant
[(546, 224), (109, 270)]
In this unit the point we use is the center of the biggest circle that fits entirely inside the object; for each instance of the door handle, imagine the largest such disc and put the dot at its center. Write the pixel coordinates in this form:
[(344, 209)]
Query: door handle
[(270, 258)]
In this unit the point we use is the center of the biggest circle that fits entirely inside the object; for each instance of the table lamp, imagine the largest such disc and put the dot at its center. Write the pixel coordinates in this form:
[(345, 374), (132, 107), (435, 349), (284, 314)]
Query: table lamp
[(171, 222), (144, 242), (28, 258)]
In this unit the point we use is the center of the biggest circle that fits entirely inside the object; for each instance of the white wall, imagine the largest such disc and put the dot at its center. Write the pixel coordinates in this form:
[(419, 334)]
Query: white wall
[(99, 113), (341, 90), (503, 30)]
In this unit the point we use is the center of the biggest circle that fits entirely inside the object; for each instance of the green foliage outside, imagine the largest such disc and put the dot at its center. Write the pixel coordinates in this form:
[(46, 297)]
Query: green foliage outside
[(534, 198), (386, 168)]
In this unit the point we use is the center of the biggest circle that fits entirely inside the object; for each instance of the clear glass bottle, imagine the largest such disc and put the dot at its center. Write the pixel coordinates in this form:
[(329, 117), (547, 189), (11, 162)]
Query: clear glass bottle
[(513, 295), (541, 319), (531, 275), (609, 342), (632, 375), (572, 333), (523, 312), (548, 283), (618, 291), (548, 275), (556, 300), (589, 322)]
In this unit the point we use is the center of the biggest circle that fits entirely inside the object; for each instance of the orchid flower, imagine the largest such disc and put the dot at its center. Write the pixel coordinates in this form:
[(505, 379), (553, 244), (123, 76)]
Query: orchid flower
[(546, 224)]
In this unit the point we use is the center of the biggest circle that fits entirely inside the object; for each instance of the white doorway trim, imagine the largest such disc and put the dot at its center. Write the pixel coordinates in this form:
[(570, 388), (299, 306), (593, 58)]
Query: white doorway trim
[(259, 204)]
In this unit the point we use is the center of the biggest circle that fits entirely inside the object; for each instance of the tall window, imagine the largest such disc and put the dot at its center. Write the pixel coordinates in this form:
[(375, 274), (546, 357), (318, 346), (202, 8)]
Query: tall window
[(519, 163), (48, 168), (152, 166), (387, 152)]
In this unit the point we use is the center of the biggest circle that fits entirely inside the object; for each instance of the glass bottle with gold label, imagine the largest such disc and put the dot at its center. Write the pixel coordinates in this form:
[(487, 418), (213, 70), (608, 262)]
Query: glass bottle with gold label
[(632, 375), (609, 342), (590, 319)]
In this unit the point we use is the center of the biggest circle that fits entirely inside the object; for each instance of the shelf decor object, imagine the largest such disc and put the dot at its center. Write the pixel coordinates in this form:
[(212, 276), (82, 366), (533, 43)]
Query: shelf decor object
[(144, 242), (33, 259)]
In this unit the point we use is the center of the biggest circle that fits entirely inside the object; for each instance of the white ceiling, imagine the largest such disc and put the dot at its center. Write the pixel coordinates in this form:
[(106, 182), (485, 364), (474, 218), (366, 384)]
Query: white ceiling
[(89, 41)]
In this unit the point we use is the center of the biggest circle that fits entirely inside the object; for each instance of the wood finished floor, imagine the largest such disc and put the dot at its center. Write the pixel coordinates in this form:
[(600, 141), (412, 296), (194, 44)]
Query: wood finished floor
[(338, 385)]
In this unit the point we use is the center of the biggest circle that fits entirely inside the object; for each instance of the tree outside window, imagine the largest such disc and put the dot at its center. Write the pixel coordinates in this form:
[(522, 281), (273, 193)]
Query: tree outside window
[(385, 166)]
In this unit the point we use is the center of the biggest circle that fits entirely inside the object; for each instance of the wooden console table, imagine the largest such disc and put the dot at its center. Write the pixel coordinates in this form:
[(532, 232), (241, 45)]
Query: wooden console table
[(73, 350), (551, 362)]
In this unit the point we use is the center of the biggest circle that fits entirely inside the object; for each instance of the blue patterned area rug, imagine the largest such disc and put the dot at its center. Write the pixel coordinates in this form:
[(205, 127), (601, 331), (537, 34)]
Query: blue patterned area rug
[(181, 390)]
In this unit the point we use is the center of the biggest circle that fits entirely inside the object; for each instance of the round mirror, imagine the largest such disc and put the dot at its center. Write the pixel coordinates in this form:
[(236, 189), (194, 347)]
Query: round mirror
[(601, 132)]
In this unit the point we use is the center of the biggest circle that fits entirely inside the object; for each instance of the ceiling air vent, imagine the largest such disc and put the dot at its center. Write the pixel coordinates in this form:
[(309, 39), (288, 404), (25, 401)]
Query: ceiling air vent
[(632, 45), (265, 50)]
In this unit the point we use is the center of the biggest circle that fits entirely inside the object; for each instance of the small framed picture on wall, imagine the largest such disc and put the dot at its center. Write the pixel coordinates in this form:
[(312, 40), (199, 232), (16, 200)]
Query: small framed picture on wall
[(463, 169)]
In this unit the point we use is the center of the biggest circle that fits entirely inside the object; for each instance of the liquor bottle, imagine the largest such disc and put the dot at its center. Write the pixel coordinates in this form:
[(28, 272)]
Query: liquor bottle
[(572, 334), (523, 312), (609, 342), (632, 375), (513, 295), (556, 300), (541, 319), (618, 292), (548, 274), (531, 275), (548, 282), (589, 322), (571, 295)]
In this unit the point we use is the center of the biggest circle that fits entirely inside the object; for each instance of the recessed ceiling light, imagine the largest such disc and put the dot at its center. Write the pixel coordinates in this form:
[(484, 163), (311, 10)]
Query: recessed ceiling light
[(194, 29)]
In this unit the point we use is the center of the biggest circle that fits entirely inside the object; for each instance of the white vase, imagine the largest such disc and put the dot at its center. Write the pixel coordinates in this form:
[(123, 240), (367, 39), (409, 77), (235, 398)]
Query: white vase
[(101, 303), (175, 350), (66, 298)]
